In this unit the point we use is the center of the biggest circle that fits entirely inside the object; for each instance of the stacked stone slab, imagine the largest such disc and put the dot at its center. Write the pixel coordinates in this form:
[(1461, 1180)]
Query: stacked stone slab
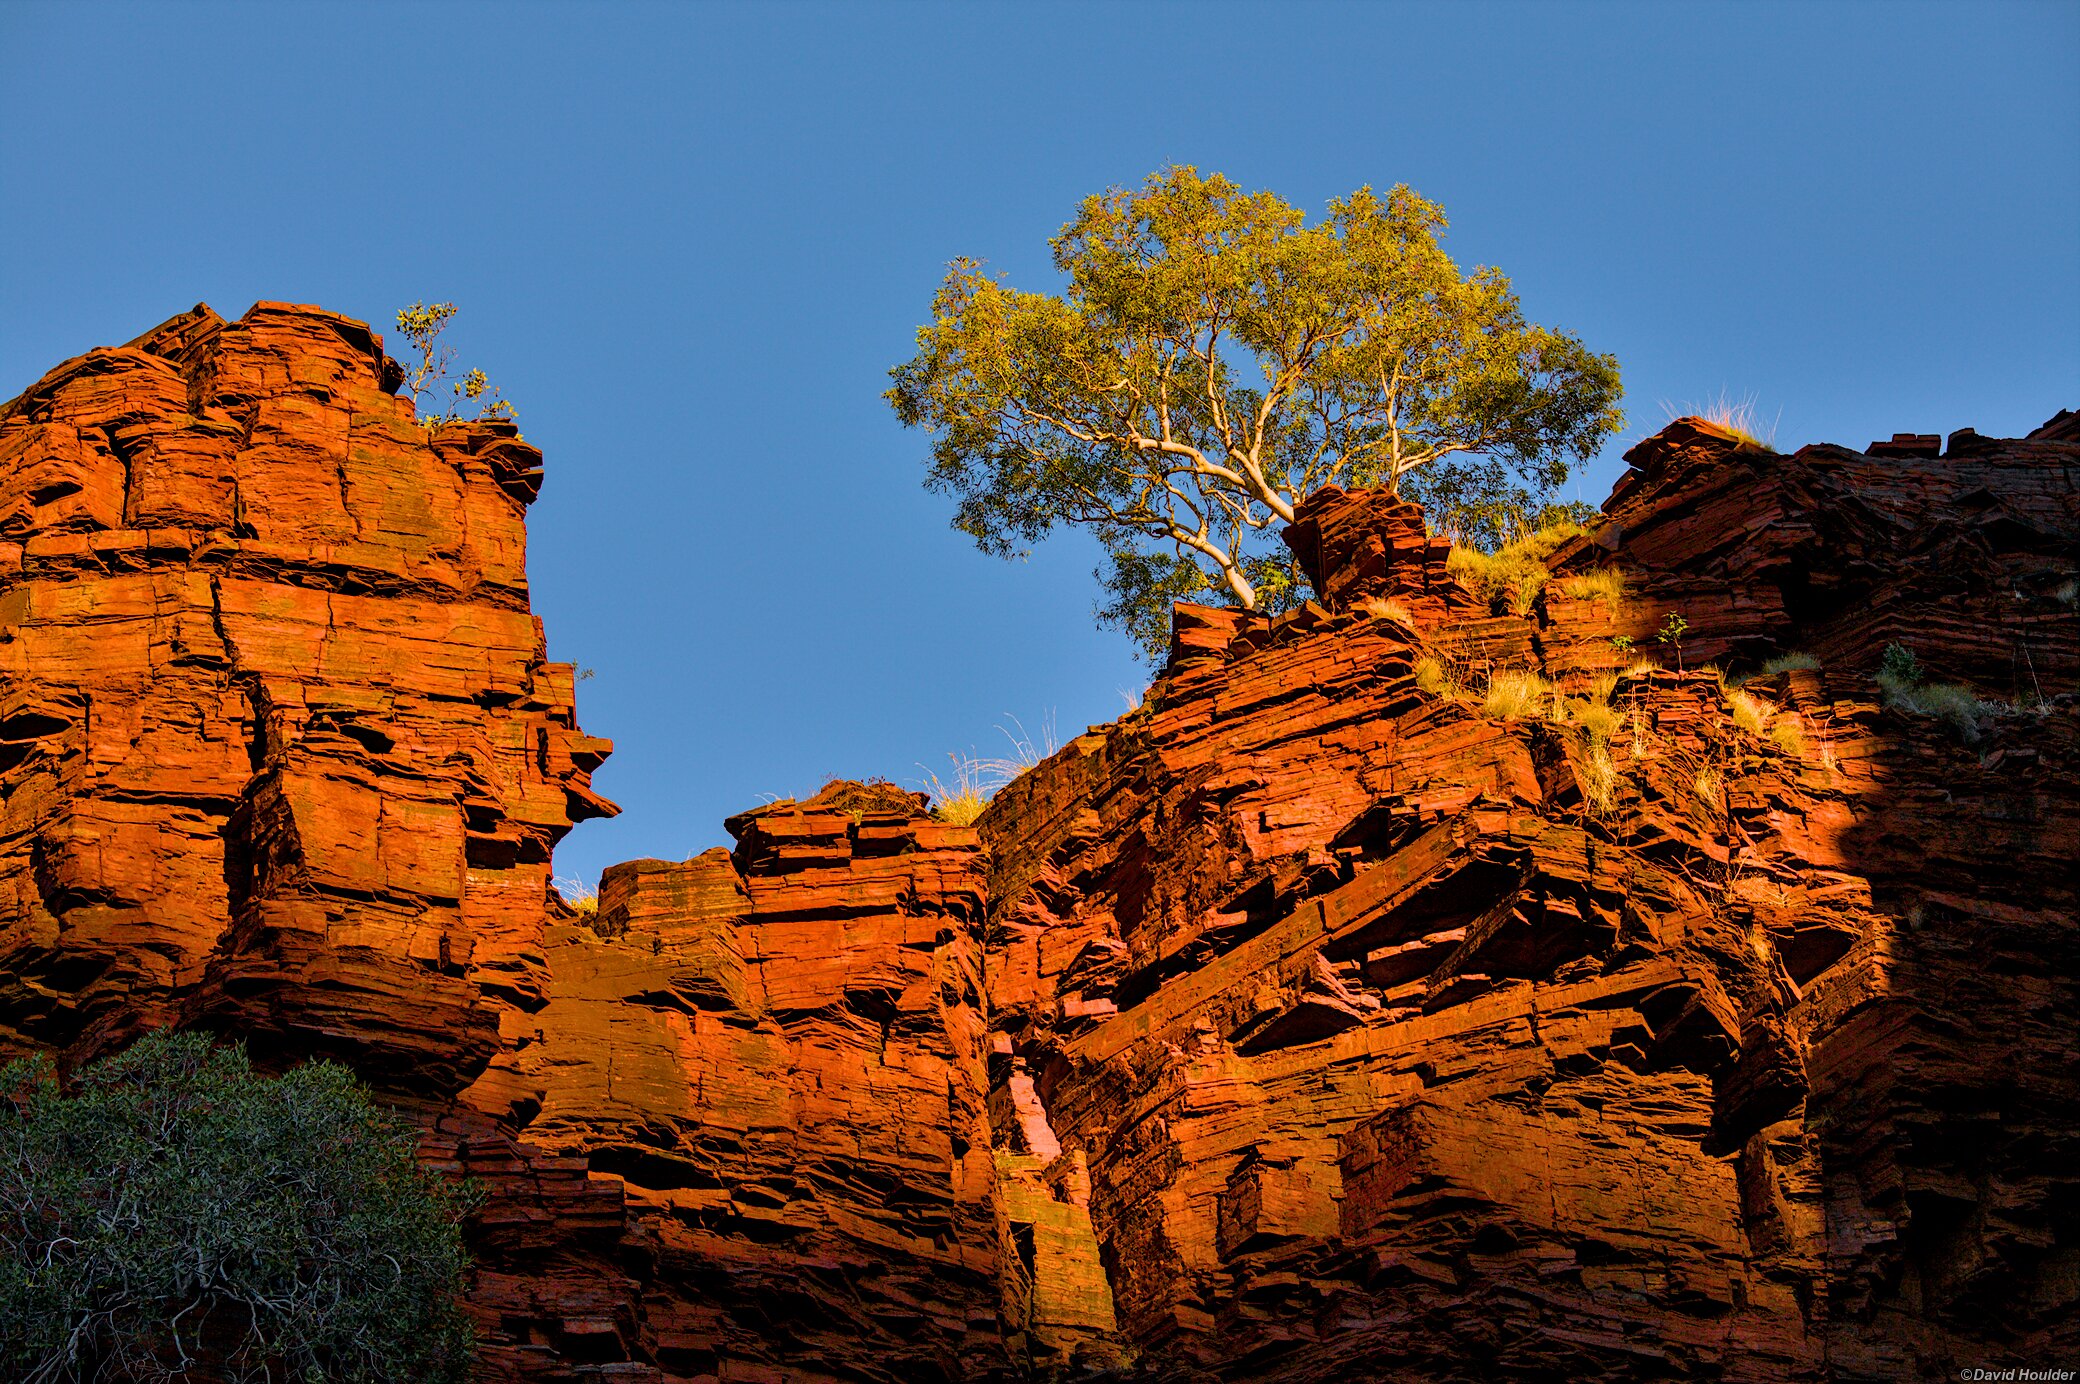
[(1308, 1023)]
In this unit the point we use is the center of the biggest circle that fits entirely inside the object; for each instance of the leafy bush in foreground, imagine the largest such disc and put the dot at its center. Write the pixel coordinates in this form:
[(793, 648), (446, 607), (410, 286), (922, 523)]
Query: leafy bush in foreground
[(177, 1207)]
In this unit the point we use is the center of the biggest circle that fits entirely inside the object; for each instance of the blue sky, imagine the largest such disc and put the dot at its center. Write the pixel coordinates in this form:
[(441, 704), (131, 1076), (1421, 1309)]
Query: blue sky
[(690, 240)]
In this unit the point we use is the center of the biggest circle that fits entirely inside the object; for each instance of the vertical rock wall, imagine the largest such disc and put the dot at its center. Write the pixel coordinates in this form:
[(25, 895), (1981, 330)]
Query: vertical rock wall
[(280, 750), (1320, 1020)]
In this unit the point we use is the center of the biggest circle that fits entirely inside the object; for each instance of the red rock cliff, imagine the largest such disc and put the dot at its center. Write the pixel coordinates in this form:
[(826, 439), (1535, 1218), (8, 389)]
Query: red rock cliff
[(282, 752), (1324, 1019)]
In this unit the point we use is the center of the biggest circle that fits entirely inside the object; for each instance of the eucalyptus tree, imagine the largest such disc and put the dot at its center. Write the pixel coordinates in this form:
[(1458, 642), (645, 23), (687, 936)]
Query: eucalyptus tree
[(1212, 360)]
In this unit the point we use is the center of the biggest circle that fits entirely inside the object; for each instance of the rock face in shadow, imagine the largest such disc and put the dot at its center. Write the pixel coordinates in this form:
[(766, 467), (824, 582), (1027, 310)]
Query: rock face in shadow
[(1316, 1021)]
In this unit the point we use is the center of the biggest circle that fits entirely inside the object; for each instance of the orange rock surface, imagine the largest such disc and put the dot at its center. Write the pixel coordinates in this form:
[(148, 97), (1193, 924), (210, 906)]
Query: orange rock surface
[(1313, 1022), (282, 753)]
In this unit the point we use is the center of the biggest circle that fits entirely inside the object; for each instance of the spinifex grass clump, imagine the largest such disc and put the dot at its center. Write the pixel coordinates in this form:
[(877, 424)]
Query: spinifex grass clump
[(1606, 584), (960, 799), (1514, 574), (1904, 684), (1385, 608), (1517, 696), (175, 1199)]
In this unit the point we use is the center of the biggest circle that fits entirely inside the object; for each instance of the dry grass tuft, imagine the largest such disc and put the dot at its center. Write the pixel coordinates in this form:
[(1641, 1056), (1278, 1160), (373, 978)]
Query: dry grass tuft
[(959, 802), (1789, 735), (1434, 678), (1385, 608), (1598, 776), (1738, 418), (1787, 663), (577, 893), (1600, 721), (1515, 696), (1900, 679), (1748, 712), (1515, 573), (1708, 790), (977, 779), (1606, 584), (1602, 686)]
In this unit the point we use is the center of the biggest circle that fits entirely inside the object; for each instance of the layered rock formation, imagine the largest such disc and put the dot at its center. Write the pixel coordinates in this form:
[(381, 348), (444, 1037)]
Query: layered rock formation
[(1324, 1019), (282, 751)]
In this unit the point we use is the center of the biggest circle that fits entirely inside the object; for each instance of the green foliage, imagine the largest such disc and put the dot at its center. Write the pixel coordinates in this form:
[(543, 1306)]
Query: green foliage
[(177, 1200), (422, 325), (1622, 643), (1214, 360), (1903, 682), (1899, 666), (1671, 632), (1513, 575)]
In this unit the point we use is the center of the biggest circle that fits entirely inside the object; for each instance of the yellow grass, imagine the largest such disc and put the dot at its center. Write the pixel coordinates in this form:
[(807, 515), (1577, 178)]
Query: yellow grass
[(1516, 696), (1707, 789), (1600, 721), (1606, 584), (1384, 608), (959, 800), (1515, 573), (577, 893), (1739, 418), (1789, 735), (1598, 776), (1748, 713), (1434, 678)]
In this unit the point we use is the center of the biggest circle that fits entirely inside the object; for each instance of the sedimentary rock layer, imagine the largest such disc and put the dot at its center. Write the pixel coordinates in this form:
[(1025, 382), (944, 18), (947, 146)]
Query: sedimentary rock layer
[(279, 747), (1333, 1016)]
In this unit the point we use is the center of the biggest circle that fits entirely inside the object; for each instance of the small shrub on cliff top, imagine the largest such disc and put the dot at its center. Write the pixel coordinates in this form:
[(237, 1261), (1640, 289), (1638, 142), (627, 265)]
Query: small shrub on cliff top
[(577, 893), (1741, 418), (422, 325), (177, 1203)]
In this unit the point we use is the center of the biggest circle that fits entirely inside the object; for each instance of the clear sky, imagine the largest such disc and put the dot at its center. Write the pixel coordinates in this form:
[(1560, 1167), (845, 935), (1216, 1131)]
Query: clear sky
[(690, 240)]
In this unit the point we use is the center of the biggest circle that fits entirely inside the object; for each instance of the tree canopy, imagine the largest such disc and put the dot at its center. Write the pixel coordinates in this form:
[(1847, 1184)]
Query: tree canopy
[(177, 1208), (1213, 360)]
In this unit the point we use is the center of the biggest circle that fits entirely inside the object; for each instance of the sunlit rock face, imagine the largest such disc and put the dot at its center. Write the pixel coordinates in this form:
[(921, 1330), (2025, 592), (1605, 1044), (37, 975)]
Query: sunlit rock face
[(1316, 1021), (279, 748)]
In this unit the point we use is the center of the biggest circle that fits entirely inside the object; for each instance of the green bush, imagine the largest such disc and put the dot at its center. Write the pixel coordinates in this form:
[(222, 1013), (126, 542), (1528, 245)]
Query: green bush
[(177, 1205), (1902, 680)]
